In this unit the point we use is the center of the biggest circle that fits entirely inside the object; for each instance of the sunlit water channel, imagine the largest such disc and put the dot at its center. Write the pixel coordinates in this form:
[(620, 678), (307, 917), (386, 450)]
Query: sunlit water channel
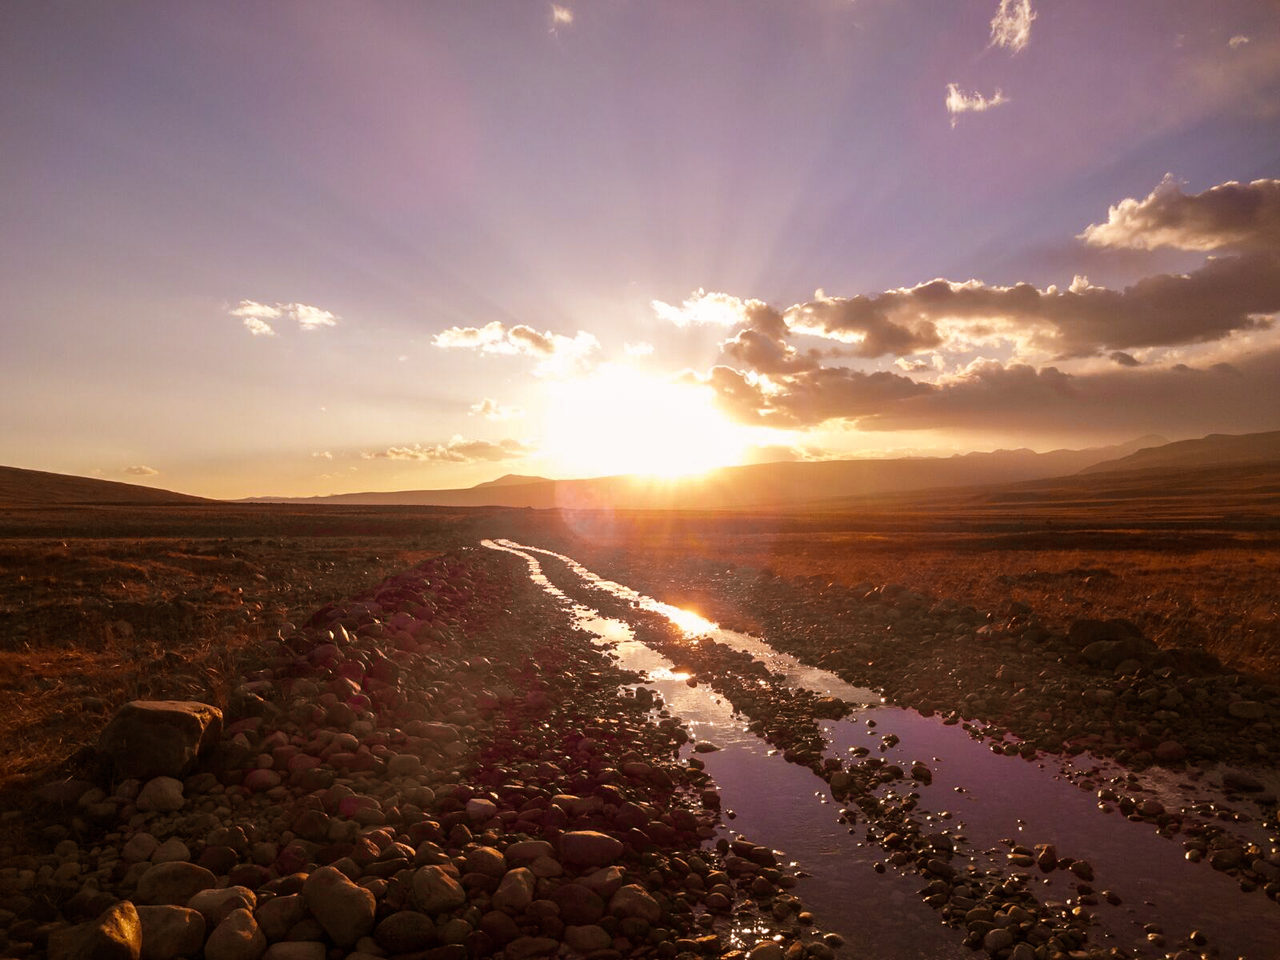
[(982, 799)]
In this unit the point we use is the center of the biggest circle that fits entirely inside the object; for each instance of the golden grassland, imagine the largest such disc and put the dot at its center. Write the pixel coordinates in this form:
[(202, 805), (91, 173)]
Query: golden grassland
[(102, 604)]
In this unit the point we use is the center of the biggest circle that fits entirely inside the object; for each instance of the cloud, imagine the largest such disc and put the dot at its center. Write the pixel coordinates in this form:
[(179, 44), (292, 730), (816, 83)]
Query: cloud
[(257, 316), (560, 16), (959, 102), (141, 470), (311, 318), (1201, 332), (1240, 217), (1235, 397), (806, 398), (1238, 41), (1227, 294), (557, 354), (322, 455), (640, 349), (457, 450), (1011, 26), (493, 410)]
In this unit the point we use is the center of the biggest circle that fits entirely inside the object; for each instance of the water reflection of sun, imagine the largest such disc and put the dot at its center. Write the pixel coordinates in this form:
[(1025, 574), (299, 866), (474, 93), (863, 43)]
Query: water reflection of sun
[(620, 420)]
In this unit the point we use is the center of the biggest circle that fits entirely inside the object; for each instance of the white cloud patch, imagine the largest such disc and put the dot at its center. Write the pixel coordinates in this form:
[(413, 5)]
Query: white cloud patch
[(1238, 41), (457, 450), (959, 102), (257, 316), (561, 16), (1011, 26), (493, 410), (322, 455), (557, 354), (141, 470), (641, 349)]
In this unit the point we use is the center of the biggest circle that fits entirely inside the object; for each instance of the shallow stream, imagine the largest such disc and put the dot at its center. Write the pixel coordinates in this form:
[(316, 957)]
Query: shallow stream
[(985, 801)]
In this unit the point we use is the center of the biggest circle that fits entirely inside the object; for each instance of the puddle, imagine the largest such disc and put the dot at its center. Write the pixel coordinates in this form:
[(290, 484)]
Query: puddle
[(1000, 799)]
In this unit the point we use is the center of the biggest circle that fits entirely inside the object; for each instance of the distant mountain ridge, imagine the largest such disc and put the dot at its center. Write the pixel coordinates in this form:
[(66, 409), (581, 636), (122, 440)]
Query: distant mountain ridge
[(36, 488), (779, 485), (1217, 449)]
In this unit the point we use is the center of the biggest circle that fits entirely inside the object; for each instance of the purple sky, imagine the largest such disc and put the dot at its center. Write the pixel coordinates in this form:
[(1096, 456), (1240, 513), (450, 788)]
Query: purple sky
[(296, 248)]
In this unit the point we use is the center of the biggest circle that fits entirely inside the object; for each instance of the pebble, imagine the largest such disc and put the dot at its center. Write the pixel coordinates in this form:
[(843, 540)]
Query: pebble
[(237, 937), (345, 910)]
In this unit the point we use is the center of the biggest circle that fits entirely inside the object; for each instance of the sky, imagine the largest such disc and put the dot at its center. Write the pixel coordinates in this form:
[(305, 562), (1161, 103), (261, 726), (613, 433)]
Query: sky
[(299, 248)]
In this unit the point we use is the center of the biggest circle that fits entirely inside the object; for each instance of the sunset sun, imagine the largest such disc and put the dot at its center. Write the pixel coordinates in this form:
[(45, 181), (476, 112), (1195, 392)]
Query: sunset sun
[(620, 420)]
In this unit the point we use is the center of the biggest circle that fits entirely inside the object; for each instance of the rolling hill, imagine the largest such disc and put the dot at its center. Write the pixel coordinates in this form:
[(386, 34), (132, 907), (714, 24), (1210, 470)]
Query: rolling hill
[(36, 488), (780, 485)]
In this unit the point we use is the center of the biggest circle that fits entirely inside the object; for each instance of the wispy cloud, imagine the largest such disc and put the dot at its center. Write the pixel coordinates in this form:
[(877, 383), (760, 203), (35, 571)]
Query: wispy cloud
[(557, 354), (457, 450), (257, 316), (959, 102), (493, 410), (322, 455), (1238, 41), (640, 349), (1011, 26), (561, 16), (141, 470)]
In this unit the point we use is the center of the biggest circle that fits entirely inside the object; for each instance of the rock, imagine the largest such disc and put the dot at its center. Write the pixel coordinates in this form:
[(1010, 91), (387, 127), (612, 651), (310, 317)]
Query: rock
[(578, 904), (1170, 751), (169, 931), (152, 738), (522, 948), (116, 934), (296, 950), (1239, 780), (524, 852), (277, 915), (161, 794), (436, 891), (171, 850), (515, 892), (216, 905), (261, 780), (587, 938), (480, 810), (765, 950), (589, 848), (236, 938), (344, 909), (634, 900), (997, 940), (139, 848), (1246, 710), (405, 932), (486, 860), (174, 883)]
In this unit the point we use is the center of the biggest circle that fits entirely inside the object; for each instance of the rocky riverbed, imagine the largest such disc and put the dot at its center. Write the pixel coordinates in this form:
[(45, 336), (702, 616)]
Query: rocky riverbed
[(441, 769), (450, 766)]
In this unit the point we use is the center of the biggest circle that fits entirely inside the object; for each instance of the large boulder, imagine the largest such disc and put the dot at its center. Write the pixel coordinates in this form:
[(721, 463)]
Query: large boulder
[(160, 738), (169, 931), (115, 935)]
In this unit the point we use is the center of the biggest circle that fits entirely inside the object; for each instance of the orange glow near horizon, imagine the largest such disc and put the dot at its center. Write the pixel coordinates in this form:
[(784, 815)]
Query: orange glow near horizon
[(619, 420)]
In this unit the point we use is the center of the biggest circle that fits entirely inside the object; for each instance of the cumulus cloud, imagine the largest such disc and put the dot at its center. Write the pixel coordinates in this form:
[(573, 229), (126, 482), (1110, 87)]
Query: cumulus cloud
[(141, 470), (959, 102), (457, 450), (493, 410), (1011, 26), (556, 353), (1239, 217), (257, 316), (1205, 341)]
